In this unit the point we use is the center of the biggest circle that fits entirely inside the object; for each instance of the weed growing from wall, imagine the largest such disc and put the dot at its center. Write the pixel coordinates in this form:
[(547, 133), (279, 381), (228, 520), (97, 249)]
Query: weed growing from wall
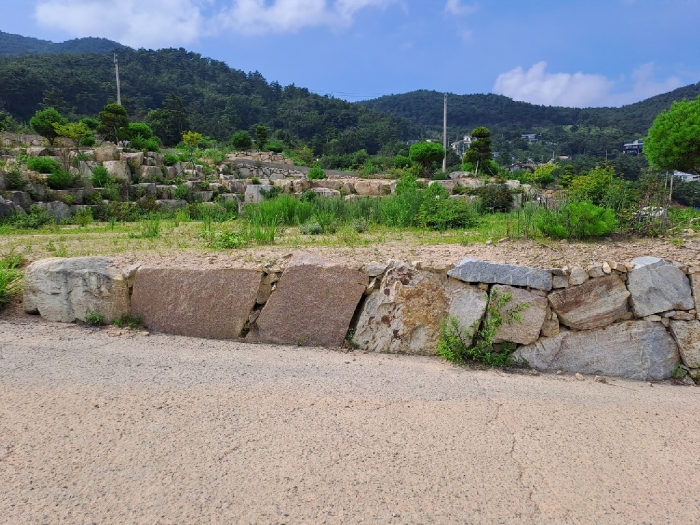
[(475, 344)]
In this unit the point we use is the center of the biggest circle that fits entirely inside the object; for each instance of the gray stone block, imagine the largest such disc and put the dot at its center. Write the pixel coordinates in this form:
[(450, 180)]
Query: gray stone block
[(476, 271)]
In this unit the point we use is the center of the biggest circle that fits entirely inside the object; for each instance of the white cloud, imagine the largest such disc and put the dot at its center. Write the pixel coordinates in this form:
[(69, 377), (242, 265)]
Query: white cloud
[(137, 23), (162, 23), (537, 86), (255, 17), (455, 7)]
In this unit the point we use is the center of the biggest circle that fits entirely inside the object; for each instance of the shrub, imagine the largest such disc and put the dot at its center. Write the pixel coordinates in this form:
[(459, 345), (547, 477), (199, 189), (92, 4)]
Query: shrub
[(36, 218), (130, 321), (100, 176), (59, 179), (83, 217), (242, 140), (112, 192), (170, 159), (275, 146), (578, 220), (144, 144), (42, 164), (316, 173), (88, 141), (495, 198), (181, 192), (312, 227), (439, 212), (15, 180), (402, 162), (94, 318)]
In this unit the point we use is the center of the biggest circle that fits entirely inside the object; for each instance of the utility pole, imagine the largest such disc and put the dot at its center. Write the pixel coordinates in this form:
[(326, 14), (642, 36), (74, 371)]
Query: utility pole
[(119, 90), (444, 135)]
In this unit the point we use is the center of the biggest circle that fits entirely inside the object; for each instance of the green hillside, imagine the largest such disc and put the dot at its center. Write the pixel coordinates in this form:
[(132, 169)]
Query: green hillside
[(216, 99), (12, 45)]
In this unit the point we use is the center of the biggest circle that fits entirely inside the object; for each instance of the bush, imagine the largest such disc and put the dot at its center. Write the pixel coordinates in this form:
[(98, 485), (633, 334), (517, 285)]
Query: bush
[(495, 198), (181, 192), (402, 162), (275, 146), (578, 220), (112, 192), (15, 180), (42, 164), (59, 179), (36, 218), (88, 141), (170, 159), (316, 173), (100, 177), (439, 212), (242, 140), (94, 318)]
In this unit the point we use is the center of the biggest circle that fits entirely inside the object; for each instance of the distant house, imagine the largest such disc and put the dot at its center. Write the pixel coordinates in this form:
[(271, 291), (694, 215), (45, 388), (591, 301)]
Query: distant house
[(530, 137), (633, 148), (521, 166), (461, 146), (686, 177)]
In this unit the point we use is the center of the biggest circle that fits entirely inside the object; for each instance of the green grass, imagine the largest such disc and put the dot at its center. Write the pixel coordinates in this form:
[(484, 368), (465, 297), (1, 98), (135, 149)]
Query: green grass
[(10, 277)]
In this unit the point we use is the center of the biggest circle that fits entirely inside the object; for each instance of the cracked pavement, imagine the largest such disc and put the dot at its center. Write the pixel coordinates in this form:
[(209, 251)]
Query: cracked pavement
[(105, 426)]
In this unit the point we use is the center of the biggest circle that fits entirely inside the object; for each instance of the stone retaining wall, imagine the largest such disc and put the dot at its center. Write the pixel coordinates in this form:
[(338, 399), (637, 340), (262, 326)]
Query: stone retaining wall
[(637, 320)]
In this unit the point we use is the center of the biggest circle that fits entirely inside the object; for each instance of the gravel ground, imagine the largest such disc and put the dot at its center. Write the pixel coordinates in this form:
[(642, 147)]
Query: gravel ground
[(114, 426)]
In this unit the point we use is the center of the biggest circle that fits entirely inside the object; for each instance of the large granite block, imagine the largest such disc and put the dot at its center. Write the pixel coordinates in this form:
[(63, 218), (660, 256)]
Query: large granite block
[(658, 286), (211, 303), (474, 271), (594, 304), (66, 290), (531, 315), (635, 350), (687, 336), (313, 303), (405, 314)]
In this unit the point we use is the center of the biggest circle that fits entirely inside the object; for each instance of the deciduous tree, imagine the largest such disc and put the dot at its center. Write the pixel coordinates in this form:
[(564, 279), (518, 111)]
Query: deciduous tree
[(674, 138)]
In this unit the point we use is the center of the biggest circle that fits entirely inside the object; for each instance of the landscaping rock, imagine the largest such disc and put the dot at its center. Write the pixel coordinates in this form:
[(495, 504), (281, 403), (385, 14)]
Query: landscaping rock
[(211, 303), (467, 304), (695, 286), (593, 304), (475, 271), (687, 336), (106, 153), (134, 158), (405, 313), (66, 290), (313, 303), (37, 151), (57, 210), (657, 286), (171, 204), (20, 198), (634, 349), (9, 209), (150, 173), (325, 192), (253, 193), (118, 169), (533, 311)]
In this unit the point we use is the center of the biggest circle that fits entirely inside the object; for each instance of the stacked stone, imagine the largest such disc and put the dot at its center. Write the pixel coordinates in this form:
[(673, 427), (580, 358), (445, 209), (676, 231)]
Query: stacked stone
[(637, 320)]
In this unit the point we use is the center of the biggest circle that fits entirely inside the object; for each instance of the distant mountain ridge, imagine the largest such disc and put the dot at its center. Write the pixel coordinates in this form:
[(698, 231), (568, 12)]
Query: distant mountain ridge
[(15, 45), (469, 111)]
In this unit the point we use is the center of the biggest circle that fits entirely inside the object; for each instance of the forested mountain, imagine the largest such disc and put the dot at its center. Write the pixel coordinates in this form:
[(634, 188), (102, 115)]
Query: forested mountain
[(215, 99), (77, 77), (590, 133), (23, 45)]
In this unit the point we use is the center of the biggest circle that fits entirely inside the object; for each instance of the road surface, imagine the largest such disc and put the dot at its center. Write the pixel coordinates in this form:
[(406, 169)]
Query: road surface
[(113, 426)]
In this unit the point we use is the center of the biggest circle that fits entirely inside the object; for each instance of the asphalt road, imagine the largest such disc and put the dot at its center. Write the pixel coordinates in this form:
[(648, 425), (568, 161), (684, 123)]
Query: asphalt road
[(114, 427)]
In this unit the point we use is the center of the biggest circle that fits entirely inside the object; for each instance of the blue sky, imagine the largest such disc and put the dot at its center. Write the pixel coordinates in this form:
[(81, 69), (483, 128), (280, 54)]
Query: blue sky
[(555, 52)]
